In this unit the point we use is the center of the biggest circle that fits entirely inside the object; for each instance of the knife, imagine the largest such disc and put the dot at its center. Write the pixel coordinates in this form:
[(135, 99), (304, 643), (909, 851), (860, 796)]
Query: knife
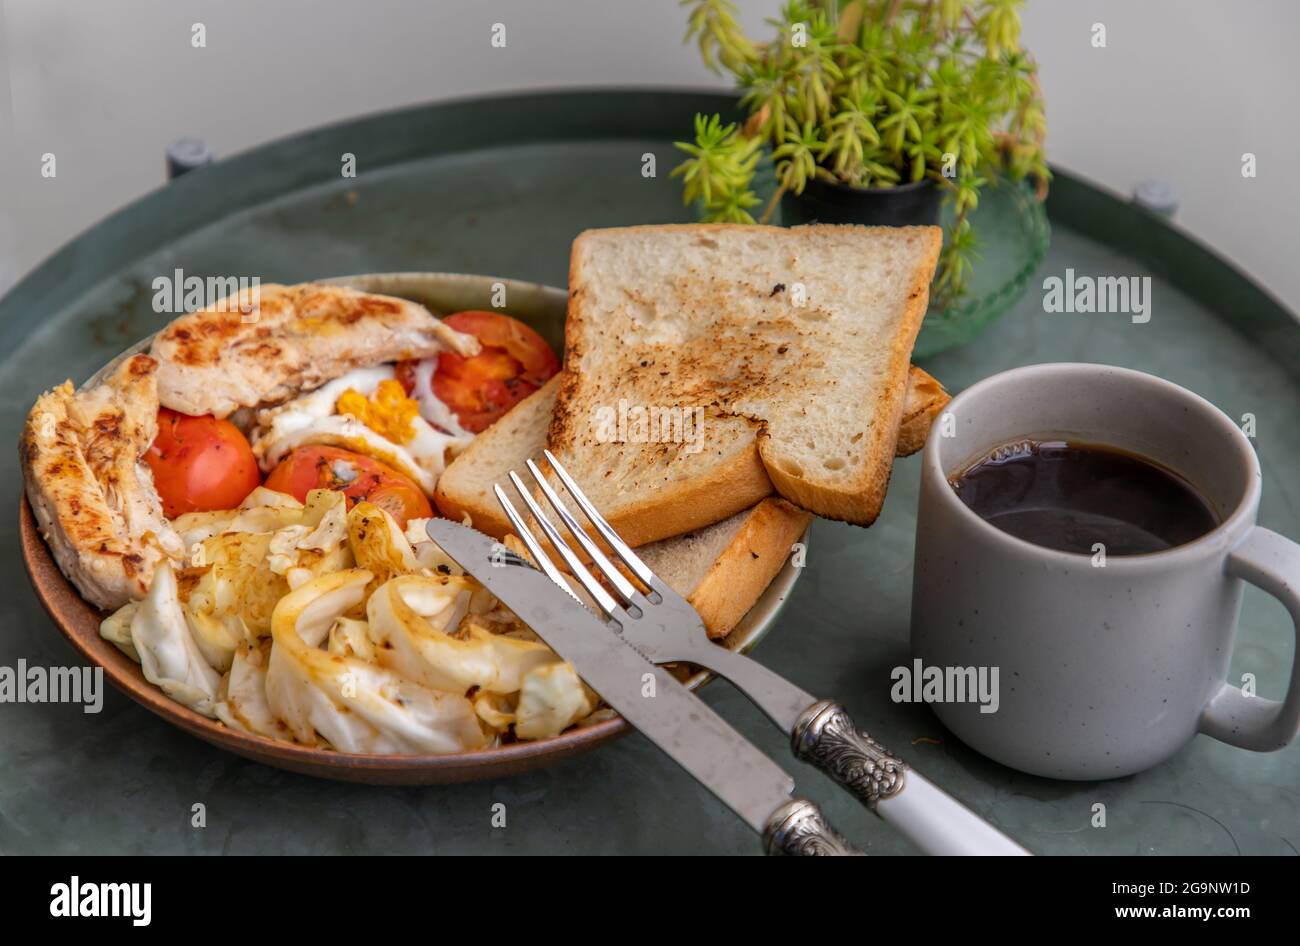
[(647, 696), (822, 733)]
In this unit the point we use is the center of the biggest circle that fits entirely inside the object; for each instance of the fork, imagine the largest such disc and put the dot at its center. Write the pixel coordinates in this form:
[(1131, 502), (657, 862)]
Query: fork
[(664, 628)]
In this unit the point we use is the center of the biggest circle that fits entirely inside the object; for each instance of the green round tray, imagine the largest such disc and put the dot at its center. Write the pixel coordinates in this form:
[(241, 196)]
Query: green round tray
[(502, 185)]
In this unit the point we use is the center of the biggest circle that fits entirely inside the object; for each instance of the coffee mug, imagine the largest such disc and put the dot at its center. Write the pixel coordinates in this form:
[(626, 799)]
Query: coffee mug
[(1104, 669)]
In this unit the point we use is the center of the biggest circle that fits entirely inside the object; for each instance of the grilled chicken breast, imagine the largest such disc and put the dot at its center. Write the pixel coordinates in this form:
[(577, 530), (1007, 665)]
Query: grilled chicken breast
[(90, 489), (289, 339)]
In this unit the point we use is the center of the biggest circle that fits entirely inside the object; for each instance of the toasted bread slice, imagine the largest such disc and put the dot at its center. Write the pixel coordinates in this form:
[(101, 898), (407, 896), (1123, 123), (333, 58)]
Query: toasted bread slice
[(706, 365), (922, 402), (723, 568), (465, 487)]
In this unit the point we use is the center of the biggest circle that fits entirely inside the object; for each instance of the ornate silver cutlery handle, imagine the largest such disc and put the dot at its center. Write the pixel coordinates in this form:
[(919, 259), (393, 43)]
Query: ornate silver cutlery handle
[(826, 736), (798, 828), (822, 733)]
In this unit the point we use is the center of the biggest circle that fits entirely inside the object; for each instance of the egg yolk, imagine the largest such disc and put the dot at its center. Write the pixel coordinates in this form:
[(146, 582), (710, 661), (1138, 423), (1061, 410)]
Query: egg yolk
[(389, 413)]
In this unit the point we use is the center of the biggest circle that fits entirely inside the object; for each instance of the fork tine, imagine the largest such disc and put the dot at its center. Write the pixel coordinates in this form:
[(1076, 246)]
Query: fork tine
[(598, 558), (621, 548), (534, 547), (604, 600)]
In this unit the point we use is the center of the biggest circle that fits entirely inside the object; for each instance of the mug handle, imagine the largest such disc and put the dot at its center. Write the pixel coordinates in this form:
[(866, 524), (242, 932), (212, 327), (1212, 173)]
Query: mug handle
[(1270, 562)]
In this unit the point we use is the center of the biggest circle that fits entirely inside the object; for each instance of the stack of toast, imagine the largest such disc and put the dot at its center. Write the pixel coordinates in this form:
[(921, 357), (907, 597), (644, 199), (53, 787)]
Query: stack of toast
[(723, 384)]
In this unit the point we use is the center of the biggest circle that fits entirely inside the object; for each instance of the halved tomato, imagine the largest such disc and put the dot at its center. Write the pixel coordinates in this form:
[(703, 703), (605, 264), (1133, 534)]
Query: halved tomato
[(356, 476), (515, 362), (200, 463)]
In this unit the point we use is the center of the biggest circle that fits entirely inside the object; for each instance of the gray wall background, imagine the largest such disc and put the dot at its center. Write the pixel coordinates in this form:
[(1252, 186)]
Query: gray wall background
[(1181, 91)]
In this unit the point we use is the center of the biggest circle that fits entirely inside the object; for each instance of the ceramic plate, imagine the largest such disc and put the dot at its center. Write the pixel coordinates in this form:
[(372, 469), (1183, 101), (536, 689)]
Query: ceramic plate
[(542, 307)]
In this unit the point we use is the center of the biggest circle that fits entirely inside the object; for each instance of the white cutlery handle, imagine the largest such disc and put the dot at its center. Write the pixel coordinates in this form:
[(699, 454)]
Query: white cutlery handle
[(937, 823), (929, 817)]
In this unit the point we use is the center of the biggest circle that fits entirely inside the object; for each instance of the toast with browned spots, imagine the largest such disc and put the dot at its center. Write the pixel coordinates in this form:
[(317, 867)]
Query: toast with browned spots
[(465, 487), (723, 568), (752, 360)]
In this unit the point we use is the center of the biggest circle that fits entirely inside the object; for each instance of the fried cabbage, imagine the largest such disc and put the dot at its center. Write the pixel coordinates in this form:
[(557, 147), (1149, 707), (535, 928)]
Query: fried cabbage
[(310, 623), (116, 628), (243, 694), (353, 705), (169, 657), (378, 545), (551, 699), (419, 630)]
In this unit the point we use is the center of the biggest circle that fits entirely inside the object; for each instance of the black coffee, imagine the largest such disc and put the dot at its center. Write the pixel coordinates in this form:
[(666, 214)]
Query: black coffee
[(1072, 496)]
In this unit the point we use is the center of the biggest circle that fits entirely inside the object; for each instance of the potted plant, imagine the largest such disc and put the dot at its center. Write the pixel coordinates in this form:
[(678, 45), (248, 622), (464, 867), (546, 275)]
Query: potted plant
[(870, 111)]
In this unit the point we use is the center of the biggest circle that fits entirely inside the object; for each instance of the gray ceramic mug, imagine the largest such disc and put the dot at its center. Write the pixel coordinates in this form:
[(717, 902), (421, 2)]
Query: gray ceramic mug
[(1103, 671)]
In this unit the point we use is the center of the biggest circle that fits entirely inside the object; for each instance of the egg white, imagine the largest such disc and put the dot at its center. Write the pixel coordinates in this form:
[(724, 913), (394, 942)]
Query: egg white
[(314, 419), (431, 408)]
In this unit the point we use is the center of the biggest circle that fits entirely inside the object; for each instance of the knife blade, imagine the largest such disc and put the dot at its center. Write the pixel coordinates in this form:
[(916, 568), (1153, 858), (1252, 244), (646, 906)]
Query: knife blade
[(647, 696)]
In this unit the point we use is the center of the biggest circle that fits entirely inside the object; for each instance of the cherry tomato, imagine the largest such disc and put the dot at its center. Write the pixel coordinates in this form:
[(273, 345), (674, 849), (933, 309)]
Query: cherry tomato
[(200, 463), (515, 362), (357, 476)]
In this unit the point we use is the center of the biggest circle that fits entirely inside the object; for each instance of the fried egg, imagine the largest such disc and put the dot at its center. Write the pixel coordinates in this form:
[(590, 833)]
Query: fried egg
[(432, 409), (366, 411)]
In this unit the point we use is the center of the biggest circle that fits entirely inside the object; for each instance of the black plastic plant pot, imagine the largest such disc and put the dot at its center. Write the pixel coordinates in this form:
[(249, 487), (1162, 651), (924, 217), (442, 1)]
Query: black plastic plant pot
[(912, 204)]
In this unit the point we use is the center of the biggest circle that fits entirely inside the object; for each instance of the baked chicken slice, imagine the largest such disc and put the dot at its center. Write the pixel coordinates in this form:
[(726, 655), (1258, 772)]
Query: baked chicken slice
[(90, 489), (289, 339)]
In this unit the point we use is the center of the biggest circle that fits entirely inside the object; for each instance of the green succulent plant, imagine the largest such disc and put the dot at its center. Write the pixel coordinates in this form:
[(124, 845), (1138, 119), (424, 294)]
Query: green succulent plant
[(871, 93)]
